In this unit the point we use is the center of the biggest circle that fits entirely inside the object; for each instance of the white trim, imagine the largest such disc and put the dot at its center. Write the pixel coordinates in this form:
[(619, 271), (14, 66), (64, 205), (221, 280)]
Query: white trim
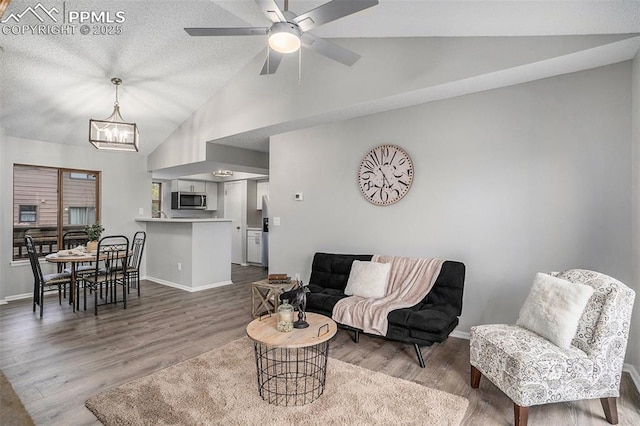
[(18, 297), (460, 334), (3, 302), (635, 377), (187, 288)]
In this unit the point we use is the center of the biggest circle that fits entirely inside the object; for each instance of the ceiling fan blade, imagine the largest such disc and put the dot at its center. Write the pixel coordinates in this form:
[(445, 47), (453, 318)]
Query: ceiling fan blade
[(330, 50), (271, 65), (206, 32), (331, 11), (271, 10)]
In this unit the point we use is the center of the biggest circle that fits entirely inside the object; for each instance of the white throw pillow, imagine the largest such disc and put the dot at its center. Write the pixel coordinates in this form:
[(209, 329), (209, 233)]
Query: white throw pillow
[(368, 279), (553, 308)]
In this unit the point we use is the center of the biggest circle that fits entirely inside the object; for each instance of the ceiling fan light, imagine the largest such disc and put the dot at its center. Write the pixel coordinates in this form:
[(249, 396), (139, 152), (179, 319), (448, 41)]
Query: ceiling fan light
[(284, 38)]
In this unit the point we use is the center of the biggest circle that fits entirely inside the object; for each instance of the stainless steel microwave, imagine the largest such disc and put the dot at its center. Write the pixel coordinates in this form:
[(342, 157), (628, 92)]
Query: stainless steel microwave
[(188, 200)]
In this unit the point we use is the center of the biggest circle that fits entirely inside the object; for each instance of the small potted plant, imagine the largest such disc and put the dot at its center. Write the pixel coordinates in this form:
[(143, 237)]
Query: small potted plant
[(93, 233)]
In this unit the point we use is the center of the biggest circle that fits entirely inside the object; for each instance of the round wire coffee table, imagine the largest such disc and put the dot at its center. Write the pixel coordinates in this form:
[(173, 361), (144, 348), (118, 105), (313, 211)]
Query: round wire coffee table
[(292, 366)]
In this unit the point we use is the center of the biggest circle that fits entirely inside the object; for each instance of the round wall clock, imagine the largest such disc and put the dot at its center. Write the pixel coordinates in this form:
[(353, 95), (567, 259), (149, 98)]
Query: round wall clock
[(385, 174)]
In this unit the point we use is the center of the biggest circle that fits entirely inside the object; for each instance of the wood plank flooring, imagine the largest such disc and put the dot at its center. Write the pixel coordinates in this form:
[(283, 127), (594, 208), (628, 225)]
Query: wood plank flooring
[(58, 362)]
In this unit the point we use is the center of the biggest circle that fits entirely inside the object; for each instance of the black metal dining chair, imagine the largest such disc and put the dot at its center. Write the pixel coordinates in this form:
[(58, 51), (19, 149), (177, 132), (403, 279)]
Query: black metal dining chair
[(109, 271), (43, 283), (71, 240), (133, 268)]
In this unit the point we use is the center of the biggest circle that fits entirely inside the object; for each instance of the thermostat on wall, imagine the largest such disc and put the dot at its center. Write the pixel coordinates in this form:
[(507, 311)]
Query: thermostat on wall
[(298, 196)]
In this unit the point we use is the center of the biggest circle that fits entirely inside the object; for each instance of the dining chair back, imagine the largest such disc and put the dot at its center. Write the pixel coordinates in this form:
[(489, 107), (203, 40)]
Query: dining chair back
[(133, 269), (109, 270), (42, 282), (71, 240)]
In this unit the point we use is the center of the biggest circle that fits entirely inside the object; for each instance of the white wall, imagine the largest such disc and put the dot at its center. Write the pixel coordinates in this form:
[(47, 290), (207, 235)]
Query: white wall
[(533, 177), (389, 68), (125, 186)]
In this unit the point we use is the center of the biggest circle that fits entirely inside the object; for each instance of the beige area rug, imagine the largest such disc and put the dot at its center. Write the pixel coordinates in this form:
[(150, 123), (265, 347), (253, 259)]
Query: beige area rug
[(12, 412), (220, 388)]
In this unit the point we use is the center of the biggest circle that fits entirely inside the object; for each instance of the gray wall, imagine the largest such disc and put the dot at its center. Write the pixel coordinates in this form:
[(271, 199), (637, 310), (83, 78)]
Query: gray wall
[(634, 347), (533, 177), (125, 187)]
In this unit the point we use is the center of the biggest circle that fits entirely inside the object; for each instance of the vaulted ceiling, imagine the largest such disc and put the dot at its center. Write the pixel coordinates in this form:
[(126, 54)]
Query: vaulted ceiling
[(52, 84)]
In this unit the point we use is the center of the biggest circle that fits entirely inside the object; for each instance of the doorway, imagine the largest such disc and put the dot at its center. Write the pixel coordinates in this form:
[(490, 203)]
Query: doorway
[(235, 208)]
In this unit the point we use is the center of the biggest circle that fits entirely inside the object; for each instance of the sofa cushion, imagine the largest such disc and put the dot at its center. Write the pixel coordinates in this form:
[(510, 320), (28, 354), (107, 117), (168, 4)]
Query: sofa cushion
[(322, 300), (332, 270), (553, 308), (425, 317), (368, 279)]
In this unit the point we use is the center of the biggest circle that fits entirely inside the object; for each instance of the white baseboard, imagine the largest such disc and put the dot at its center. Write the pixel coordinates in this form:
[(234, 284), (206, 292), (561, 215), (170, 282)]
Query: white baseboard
[(18, 297), (460, 334), (629, 368), (188, 288)]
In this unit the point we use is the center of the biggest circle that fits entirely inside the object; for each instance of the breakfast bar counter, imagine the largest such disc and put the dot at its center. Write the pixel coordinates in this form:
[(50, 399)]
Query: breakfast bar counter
[(190, 254)]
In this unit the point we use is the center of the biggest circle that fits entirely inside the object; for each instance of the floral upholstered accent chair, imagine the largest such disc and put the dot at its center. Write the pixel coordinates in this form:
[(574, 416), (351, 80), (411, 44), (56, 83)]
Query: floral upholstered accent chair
[(532, 370)]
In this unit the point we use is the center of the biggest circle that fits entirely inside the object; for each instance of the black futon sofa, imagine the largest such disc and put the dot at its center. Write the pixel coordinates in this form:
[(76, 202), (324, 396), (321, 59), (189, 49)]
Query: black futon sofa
[(431, 320)]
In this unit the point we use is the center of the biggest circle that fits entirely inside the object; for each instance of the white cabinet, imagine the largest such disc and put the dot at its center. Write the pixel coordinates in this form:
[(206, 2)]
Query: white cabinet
[(212, 195), (254, 246), (188, 185), (262, 189)]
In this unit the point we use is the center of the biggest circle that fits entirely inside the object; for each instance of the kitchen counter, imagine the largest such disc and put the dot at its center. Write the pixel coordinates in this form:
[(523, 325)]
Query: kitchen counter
[(189, 254), (179, 219)]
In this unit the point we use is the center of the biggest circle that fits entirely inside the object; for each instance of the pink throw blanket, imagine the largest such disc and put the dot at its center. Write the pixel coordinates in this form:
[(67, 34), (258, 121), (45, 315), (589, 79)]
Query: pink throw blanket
[(410, 279)]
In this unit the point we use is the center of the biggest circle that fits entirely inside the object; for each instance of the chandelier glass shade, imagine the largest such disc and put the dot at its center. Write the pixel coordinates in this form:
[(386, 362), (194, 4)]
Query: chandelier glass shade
[(113, 133)]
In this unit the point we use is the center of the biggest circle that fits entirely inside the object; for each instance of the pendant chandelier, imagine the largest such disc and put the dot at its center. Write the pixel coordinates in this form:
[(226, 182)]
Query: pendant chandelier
[(114, 133)]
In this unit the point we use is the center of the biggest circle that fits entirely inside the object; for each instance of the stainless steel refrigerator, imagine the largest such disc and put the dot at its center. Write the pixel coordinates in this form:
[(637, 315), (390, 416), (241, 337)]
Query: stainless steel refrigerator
[(265, 231)]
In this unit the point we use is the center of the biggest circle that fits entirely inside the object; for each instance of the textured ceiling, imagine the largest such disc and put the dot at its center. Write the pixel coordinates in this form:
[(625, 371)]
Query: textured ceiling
[(52, 84)]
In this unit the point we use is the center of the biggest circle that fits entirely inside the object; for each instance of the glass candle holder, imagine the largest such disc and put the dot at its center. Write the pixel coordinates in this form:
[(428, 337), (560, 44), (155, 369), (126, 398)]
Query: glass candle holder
[(285, 317)]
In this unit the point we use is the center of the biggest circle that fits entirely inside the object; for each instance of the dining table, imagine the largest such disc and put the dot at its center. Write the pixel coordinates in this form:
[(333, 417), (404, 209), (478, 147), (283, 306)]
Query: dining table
[(74, 258)]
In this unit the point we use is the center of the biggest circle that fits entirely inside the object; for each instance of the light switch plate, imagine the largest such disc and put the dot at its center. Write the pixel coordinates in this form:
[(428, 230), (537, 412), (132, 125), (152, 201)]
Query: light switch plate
[(276, 221), (141, 211), (299, 196)]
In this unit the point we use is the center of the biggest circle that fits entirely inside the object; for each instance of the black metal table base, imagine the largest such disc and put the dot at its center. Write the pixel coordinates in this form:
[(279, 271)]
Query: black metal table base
[(293, 376)]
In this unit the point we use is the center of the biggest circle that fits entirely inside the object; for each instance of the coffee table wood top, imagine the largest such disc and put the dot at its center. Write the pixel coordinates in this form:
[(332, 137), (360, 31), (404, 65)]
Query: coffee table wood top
[(263, 330)]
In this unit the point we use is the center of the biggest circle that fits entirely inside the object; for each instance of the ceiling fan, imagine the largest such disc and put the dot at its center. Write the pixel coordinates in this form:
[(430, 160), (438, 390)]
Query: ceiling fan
[(289, 31)]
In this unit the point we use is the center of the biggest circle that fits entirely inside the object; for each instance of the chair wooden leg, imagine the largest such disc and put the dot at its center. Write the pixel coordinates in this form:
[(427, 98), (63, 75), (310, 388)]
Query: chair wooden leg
[(475, 377), (520, 415), (610, 410)]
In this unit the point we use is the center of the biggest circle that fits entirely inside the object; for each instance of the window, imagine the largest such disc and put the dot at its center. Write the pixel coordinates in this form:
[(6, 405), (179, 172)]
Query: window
[(82, 215), (47, 202), (27, 214), (156, 199), (84, 176)]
